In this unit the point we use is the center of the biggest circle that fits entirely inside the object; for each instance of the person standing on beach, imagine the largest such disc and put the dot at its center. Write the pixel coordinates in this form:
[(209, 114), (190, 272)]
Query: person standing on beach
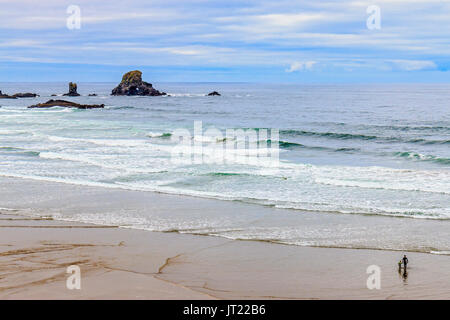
[(405, 261)]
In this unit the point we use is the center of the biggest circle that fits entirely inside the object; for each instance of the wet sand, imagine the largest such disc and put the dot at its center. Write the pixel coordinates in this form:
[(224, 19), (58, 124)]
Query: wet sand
[(119, 263), (35, 254)]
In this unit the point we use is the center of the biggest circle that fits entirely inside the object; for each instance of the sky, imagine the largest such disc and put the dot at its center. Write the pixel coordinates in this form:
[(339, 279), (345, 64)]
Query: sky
[(226, 41)]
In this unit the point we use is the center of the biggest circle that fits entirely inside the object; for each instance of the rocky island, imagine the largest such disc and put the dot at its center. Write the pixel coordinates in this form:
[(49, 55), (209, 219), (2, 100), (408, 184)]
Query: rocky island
[(132, 85), (66, 104)]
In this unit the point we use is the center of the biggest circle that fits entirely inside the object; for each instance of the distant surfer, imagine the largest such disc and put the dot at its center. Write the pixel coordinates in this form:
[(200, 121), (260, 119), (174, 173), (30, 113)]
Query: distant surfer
[(405, 262)]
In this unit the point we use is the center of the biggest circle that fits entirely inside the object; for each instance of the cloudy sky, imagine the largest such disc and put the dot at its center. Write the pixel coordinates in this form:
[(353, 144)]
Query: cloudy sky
[(234, 40)]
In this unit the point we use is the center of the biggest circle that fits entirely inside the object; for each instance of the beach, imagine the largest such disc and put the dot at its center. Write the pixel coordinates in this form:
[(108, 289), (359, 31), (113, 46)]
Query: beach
[(193, 150), (124, 263)]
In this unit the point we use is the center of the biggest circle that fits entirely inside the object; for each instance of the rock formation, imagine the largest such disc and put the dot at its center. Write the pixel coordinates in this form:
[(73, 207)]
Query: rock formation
[(66, 104), (26, 95), (5, 96), (132, 85), (214, 93), (72, 90), (18, 95)]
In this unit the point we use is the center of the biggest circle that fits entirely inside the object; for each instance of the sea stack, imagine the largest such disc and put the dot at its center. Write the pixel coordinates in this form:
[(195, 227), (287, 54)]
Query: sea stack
[(72, 90), (132, 85)]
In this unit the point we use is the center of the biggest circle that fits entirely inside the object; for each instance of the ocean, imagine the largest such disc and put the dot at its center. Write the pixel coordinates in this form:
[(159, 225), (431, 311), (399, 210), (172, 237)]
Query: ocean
[(361, 162)]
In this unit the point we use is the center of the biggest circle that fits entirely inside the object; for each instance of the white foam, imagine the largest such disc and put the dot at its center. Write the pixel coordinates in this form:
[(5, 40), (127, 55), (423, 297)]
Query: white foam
[(446, 253), (436, 181), (102, 142), (190, 95), (7, 209), (12, 132), (158, 134), (99, 163)]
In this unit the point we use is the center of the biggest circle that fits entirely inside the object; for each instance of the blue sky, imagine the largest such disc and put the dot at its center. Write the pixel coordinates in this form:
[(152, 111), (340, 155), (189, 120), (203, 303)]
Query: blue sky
[(245, 40)]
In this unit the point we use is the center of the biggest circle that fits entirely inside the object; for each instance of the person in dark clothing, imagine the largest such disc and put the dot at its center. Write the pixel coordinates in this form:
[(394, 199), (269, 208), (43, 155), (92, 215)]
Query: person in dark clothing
[(405, 261)]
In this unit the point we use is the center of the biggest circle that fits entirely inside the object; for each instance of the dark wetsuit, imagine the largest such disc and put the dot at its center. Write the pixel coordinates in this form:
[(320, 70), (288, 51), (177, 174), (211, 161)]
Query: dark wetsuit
[(405, 261)]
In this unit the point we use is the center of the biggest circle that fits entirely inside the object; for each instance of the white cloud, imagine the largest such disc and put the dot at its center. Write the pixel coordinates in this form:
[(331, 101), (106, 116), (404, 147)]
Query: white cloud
[(301, 66), (413, 65), (299, 34)]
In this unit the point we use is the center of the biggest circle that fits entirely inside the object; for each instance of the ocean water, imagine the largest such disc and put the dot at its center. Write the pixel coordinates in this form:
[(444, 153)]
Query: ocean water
[(378, 150)]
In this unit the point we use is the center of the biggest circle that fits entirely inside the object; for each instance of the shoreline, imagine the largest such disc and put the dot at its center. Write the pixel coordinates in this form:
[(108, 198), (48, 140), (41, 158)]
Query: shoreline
[(181, 198), (86, 225)]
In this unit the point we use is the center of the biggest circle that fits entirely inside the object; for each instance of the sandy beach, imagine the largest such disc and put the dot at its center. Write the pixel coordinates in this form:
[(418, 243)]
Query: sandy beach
[(123, 263)]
